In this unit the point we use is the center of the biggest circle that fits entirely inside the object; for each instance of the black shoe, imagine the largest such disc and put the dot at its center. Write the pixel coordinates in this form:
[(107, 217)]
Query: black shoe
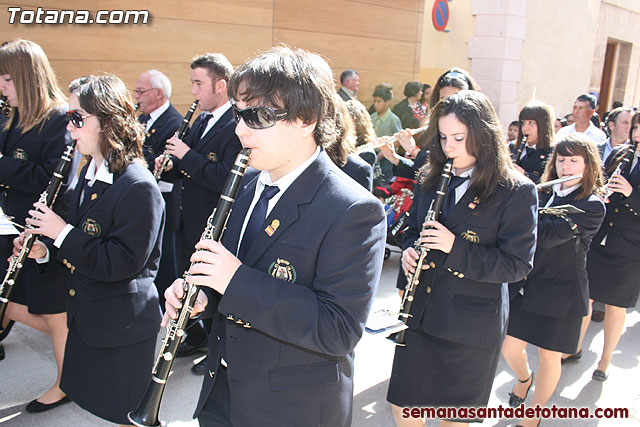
[(597, 316), (514, 399), (1, 352), (34, 406), (4, 332), (200, 368), (600, 375), (572, 358), (185, 349)]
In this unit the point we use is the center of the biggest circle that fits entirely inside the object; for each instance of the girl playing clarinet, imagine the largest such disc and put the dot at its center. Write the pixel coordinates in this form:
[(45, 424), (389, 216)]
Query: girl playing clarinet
[(483, 239), (110, 244)]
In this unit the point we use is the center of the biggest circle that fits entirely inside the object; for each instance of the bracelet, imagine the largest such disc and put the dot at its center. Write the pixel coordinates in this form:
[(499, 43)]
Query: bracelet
[(414, 150)]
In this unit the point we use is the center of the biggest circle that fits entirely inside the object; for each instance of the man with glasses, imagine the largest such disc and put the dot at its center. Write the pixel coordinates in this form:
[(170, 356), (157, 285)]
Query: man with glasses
[(292, 282), (161, 120), (203, 161)]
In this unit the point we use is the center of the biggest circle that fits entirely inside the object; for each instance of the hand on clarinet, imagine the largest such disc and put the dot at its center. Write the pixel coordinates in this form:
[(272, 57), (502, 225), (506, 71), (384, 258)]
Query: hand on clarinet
[(619, 184), (176, 147), (172, 296), (158, 162), (389, 153), (437, 237), (44, 221), (409, 261), (213, 267), (38, 250)]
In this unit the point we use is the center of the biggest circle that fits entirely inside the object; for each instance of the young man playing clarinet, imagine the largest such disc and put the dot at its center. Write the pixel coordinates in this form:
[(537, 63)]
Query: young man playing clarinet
[(291, 285)]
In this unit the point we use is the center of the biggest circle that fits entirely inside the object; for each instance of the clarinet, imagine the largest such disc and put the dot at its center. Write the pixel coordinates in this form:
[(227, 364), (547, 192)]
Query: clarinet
[(414, 279), (146, 414), (4, 106), (48, 197), (624, 165), (523, 143), (179, 134)]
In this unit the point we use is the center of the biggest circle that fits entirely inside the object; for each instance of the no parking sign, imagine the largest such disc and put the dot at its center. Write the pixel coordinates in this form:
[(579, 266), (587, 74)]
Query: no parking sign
[(440, 14)]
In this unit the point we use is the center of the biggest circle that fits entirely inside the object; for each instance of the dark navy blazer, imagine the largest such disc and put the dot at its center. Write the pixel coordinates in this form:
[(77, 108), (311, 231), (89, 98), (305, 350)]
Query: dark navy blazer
[(112, 255), (303, 295), (534, 163), (558, 285), (621, 224), (359, 170), (465, 298), (28, 162)]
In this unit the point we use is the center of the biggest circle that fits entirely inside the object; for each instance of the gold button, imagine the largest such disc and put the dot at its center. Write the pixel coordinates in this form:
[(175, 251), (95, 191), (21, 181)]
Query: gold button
[(461, 275), (455, 273), (432, 264), (230, 317), (64, 261), (449, 270), (72, 292), (610, 224), (616, 210), (247, 325), (428, 289)]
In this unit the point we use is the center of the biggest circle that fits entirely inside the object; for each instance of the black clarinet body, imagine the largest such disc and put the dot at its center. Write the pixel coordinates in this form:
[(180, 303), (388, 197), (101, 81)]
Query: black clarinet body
[(5, 109), (146, 414), (523, 143), (48, 197), (624, 166), (414, 279), (179, 134)]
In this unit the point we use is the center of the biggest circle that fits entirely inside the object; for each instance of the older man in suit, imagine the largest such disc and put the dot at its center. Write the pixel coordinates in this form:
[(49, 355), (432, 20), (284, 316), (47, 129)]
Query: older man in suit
[(161, 120), (292, 286)]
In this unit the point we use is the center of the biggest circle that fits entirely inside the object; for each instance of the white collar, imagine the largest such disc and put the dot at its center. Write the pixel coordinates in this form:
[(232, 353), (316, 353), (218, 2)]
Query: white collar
[(558, 191), (102, 174), (468, 173), (218, 112), (158, 112)]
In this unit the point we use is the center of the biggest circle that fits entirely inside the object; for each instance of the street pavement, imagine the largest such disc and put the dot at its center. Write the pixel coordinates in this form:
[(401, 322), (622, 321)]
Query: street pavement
[(29, 368)]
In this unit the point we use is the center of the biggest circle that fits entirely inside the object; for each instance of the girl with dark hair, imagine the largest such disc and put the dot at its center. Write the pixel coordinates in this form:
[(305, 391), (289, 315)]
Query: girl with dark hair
[(110, 243), (484, 238), (548, 312), (536, 124), (425, 99), (31, 143), (613, 262), (451, 81), (410, 110)]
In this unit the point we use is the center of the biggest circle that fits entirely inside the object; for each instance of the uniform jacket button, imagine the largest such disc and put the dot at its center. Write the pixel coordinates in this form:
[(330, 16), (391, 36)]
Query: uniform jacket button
[(72, 292)]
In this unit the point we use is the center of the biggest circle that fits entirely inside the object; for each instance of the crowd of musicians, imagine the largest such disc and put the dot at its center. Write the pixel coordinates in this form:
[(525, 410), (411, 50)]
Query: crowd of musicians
[(286, 291)]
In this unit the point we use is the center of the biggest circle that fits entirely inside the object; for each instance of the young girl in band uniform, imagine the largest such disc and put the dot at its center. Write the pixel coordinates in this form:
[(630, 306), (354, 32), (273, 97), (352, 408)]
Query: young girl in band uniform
[(32, 139), (110, 244), (555, 295), (536, 121), (484, 238)]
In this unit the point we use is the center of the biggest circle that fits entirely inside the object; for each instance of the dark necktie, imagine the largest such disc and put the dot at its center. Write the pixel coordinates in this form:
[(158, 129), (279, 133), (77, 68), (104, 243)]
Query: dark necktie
[(144, 118), (257, 219), (450, 197), (203, 125), (528, 152)]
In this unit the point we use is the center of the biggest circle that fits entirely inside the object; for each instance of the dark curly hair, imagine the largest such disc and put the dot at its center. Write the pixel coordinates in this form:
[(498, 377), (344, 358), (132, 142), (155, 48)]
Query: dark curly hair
[(121, 136)]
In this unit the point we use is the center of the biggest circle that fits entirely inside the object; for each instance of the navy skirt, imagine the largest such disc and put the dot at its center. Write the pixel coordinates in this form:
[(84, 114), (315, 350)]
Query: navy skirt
[(550, 333), (433, 372), (613, 279), (108, 382)]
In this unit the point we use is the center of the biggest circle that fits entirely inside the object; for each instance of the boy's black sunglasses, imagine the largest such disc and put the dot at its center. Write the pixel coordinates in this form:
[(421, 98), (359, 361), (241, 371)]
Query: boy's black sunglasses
[(258, 117)]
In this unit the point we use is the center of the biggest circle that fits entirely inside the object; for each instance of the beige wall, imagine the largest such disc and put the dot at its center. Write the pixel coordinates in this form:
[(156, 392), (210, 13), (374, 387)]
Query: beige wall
[(558, 51), (380, 39), (443, 50)]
